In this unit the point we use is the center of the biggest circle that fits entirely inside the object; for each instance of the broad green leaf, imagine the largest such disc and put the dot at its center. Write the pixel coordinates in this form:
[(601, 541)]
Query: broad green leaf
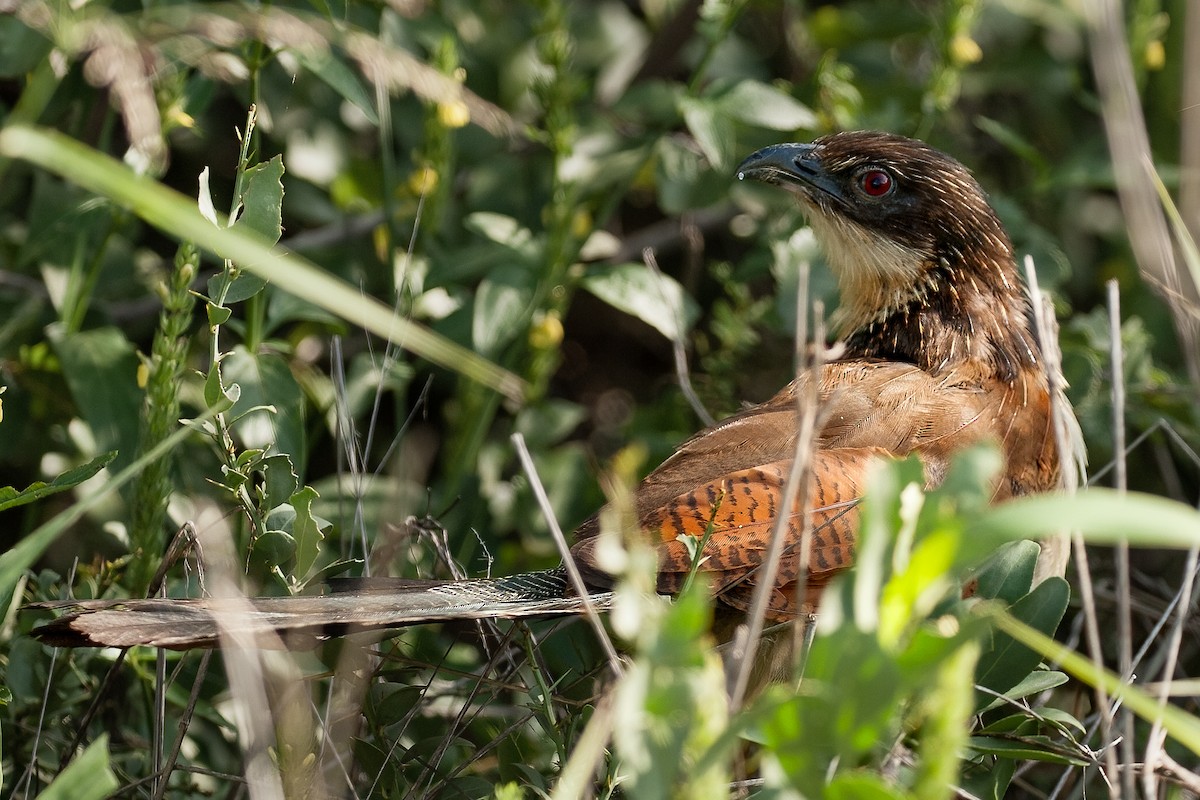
[(501, 311), (265, 380), (242, 287), (279, 479), (340, 77), (657, 300), (275, 547), (712, 129), (549, 422), (306, 532), (1007, 662), (262, 200), (100, 368), (11, 498), (500, 229), (1008, 575), (761, 104), (990, 782)]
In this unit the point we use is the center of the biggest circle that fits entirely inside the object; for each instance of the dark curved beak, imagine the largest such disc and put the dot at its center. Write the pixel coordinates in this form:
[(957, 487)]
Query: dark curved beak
[(793, 166)]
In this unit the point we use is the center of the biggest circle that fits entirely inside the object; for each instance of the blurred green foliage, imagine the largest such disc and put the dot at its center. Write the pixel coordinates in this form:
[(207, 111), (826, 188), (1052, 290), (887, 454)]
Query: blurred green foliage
[(495, 171)]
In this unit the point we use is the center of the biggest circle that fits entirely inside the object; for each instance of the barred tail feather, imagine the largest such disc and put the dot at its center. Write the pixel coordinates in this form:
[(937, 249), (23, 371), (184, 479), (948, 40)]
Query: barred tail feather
[(271, 621)]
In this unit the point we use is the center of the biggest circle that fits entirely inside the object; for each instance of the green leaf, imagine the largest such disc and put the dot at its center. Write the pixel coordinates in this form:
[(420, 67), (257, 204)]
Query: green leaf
[(657, 300), (11, 498), (100, 368), (280, 480), (88, 777), (265, 380), (1007, 662), (761, 104), (305, 531), (502, 307), (989, 783), (712, 129), (340, 78), (243, 287), (276, 547), (1036, 682), (500, 229), (217, 315), (1032, 748), (1008, 575), (549, 422), (262, 200)]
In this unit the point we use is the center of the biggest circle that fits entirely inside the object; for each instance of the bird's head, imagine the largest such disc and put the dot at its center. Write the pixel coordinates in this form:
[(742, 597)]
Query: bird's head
[(893, 216), (925, 269)]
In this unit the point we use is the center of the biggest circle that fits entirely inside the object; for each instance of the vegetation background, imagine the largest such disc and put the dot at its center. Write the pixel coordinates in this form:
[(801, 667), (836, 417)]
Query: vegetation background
[(500, 174)]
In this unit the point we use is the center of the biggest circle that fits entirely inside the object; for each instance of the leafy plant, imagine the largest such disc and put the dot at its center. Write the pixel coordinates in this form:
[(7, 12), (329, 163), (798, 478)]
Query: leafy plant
[(436, 226)]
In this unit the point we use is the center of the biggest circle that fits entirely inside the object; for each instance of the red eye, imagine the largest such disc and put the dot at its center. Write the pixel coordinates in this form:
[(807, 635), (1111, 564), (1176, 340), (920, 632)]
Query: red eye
[(875, 182)]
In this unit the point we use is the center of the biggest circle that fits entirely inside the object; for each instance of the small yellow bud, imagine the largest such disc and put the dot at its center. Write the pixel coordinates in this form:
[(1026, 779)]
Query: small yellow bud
[(423, 181), (454, 114), (546, 331), (1155, 55), (143, 374), (965, 50)]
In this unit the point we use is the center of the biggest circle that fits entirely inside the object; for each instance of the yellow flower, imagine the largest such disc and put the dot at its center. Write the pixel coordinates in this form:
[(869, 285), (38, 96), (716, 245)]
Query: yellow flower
[(546, 331), (1155, 55), (965, 50), (454, 114)]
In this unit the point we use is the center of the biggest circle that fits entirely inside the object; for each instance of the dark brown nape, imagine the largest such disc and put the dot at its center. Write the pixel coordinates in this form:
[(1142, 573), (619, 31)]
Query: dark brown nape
[(969, 303)]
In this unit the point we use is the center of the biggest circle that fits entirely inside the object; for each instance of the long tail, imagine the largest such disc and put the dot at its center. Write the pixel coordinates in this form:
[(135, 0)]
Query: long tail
[(368, 605)]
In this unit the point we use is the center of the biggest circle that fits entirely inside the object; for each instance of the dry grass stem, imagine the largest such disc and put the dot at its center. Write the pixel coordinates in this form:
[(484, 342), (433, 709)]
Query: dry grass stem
[(1072, 457), (1124, 614), (1129, 144), (795, 494), (589, 609)]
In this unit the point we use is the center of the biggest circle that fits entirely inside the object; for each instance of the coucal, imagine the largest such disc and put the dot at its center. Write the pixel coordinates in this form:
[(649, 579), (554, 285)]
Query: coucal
[(939, 354)]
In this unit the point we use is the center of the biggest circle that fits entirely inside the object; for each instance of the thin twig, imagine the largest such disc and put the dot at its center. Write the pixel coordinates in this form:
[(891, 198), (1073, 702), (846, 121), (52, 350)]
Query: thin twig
[(589, 609)]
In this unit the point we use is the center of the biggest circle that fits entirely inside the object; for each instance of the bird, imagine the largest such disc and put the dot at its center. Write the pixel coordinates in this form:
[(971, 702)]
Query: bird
[(939, 352)]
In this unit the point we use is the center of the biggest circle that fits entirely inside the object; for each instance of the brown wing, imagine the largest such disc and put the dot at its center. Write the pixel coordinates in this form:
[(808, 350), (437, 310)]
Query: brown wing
[(728, 480)]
